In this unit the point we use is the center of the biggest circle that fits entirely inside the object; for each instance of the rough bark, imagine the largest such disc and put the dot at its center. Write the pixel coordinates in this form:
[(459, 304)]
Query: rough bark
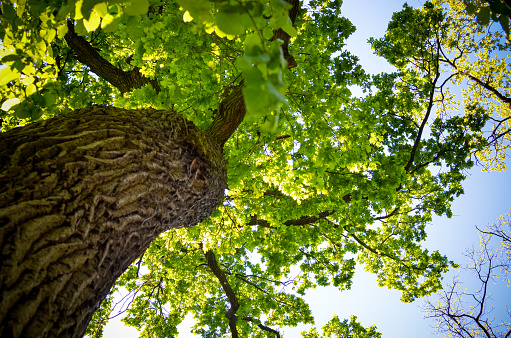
[(229, 115), (81, 197)]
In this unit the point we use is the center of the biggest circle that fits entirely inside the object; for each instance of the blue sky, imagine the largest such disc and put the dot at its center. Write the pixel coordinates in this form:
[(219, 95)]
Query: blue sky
[(487, 196)]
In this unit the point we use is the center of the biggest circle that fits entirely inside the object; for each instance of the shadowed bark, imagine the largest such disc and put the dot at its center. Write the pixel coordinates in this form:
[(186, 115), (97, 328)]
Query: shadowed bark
[(81, 197)]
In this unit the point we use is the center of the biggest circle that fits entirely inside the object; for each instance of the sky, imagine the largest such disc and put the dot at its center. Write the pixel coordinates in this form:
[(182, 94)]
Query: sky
[(487, 196)]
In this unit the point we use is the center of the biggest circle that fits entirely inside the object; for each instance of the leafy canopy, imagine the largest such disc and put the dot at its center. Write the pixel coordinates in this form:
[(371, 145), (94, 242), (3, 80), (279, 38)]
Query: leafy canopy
[(319, 180)]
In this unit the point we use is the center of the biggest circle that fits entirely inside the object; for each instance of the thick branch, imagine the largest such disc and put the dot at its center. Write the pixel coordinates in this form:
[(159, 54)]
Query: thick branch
[(304, 220), (232, 110), (220, 275), (280, 34), (229, 115), (423, 124), (491, 89), (125, 81)]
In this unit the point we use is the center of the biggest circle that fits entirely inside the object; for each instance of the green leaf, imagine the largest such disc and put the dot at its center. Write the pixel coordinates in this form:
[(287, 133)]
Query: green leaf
[(253, 45), (289, 29), (504, 22), (198, 10), (9, 13), (138, 7), (257, 101), (273, 90), (282, 4), (27, 110), (38, 100), (483, 17), (31, 89), (80, 28), (61, 31), (86, 7), (110, 23), (93, 22), (228, 20), (471, 8), (11, 58), (49, 99), (101, 9), (254, 77), (267, 33), (8, 104), (7, 75)]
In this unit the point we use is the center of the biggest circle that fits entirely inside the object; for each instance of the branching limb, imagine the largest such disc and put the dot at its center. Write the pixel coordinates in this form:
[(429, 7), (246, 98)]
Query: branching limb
[(423, 124), (493, 90), (231, 110), (461, 318), (304, 220), (261, 326), (125, 81), (229, 115), (233, 300)]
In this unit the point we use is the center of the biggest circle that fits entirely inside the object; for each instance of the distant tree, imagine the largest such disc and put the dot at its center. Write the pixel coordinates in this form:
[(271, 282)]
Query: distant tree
[(345, 329), (462, 313), (469, 54)]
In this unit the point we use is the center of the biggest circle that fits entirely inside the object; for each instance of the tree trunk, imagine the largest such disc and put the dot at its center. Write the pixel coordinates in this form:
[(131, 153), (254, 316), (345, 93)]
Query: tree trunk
[(81, 197)]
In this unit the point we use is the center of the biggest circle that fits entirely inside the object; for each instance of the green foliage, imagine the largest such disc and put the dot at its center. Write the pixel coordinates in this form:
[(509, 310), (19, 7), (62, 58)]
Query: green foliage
[(101, 317), (442, 37), (319, 180), (496, 10), (337, 329)]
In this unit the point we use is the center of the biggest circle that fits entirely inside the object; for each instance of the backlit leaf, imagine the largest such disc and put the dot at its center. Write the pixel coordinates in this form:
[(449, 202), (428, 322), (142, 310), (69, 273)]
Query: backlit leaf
[(8, 104)]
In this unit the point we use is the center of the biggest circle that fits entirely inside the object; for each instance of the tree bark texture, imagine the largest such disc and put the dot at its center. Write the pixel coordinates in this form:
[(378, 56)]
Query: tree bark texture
[(229, 115), (82, 196)]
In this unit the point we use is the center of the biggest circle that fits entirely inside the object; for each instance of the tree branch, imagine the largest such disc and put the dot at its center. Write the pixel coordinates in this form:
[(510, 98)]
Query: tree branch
[(423, 124), (229, 115), (125, 81), (233, 300), (232, 110), (261, 326), (280, 34), (304, 220), (499, 95)]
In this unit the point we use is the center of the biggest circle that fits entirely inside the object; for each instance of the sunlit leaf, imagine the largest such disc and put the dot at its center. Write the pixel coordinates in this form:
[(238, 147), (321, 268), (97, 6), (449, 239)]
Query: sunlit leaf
[(8, 104)]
